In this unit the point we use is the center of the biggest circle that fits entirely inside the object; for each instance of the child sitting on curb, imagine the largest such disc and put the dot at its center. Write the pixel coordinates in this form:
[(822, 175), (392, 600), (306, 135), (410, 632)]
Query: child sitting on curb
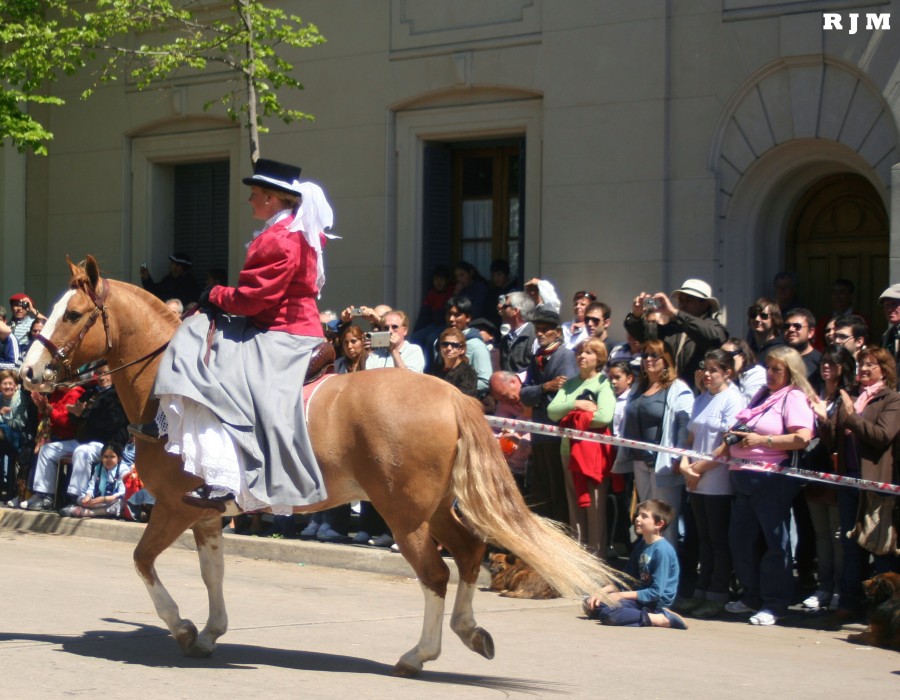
[(654, 564), (105, 494)]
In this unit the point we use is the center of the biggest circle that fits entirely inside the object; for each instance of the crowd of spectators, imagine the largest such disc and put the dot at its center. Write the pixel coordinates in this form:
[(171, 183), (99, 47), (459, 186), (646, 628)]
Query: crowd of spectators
[(785, 388)]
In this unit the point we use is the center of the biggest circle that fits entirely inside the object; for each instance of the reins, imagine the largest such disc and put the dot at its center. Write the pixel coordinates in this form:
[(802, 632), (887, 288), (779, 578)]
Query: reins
[(61, 356), (92, 368)]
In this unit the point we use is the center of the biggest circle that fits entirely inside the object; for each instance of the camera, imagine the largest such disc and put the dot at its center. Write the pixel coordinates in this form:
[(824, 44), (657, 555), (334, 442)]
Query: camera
[(379, 339), (651, 304), (355, 311), (732, 439)]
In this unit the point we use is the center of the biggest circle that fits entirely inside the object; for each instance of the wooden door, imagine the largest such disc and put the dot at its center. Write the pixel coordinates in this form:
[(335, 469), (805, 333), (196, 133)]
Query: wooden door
[(839, 228)]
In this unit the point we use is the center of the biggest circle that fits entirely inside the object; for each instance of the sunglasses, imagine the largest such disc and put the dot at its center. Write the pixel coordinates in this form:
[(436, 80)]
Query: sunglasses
[(758, 314), (593, 320), (794, 326), (584, 295), (650, 356), (449, 344)]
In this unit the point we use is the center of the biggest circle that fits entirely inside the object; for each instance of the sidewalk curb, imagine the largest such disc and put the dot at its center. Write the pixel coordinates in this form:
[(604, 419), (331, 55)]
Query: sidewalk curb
[(337, 556)]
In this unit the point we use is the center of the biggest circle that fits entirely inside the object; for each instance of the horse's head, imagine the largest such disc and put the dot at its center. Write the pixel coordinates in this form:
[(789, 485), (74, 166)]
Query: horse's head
[(71, 336)]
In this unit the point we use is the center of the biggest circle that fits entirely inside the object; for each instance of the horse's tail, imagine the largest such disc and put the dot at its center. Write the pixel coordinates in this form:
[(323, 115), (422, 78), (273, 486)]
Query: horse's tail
[(493, 507)]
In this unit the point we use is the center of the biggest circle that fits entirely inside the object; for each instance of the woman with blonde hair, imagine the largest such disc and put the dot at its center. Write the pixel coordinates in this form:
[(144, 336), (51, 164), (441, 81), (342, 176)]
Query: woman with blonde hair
[(778, 422), (658, 411), (586, 402)]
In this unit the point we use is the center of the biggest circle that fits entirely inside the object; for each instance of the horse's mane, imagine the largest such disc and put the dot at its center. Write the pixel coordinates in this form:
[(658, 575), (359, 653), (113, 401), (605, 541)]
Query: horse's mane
[(80, 279)]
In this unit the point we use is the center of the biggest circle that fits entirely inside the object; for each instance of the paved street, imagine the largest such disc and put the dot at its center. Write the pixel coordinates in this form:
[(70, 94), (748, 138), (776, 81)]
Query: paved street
[(79, 623)]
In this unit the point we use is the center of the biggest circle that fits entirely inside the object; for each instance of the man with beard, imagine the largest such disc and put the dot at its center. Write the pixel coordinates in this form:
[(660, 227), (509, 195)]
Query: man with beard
[(799, 333)]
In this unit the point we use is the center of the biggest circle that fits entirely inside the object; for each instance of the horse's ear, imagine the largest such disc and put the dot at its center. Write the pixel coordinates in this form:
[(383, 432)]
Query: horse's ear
[(73, 268), (93, 271)]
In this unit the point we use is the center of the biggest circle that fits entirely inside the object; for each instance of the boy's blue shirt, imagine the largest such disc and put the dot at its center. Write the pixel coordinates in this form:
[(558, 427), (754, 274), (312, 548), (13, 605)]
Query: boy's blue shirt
[(655, 567)]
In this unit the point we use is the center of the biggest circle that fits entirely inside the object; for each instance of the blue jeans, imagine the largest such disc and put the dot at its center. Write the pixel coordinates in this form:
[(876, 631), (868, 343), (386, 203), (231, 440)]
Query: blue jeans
[(761, 515), (629, 613)]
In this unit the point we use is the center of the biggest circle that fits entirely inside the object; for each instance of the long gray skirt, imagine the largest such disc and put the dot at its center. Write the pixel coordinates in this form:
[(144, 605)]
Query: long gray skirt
[(253, 385)]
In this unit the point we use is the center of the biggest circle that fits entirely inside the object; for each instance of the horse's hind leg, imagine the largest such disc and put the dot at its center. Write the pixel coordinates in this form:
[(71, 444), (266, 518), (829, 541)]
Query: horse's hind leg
[(164, 528), (211, 550), (419, 550), (467, 550)]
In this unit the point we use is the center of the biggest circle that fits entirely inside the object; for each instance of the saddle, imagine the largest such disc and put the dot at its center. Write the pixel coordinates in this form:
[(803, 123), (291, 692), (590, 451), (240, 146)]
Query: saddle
[(320, 363)]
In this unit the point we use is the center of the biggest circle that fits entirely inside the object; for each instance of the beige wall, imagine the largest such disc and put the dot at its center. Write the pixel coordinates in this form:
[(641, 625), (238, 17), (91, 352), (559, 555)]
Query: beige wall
[(657, 148)]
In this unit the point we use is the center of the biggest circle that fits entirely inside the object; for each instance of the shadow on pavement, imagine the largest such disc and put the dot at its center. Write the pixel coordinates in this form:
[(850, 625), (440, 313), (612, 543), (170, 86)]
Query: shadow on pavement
[(153, 646)]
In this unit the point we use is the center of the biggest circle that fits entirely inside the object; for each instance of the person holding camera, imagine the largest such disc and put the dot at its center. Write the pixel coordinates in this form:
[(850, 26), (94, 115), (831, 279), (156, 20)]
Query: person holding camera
[(24, 314), (778, 421), (398, 351), (691, 328)]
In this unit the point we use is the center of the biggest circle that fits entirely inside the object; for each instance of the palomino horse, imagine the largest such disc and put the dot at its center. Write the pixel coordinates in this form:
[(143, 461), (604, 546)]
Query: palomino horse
[(410, 444)]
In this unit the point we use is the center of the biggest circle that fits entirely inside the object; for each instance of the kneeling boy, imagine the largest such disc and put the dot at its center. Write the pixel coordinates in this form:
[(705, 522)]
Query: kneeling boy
[(654, 564)]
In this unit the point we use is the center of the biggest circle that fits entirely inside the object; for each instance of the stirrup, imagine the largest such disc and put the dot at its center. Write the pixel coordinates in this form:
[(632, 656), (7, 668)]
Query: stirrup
[(225, 505), (148, 432)]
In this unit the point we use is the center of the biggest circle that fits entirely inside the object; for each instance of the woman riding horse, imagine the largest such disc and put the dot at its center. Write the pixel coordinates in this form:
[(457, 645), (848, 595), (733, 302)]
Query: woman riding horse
[(236, 417)]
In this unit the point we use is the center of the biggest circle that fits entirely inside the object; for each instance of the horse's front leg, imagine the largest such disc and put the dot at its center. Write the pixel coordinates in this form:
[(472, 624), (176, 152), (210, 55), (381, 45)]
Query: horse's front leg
[(211, 550), (165, 526)]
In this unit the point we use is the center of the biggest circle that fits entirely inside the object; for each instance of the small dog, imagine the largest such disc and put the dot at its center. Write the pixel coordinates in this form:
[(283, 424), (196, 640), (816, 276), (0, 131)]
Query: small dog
[(513, 578), (883, 592)]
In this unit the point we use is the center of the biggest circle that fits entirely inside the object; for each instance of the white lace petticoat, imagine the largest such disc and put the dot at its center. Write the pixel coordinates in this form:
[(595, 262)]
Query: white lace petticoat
[(208, 451)]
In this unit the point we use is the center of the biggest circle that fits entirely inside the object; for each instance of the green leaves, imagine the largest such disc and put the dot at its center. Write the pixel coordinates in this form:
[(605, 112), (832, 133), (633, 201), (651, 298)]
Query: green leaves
[(151, 42)]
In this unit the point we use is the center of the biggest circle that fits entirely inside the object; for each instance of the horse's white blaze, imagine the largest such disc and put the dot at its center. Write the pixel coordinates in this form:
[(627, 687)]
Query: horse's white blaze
[(38, 357), (429, 646)]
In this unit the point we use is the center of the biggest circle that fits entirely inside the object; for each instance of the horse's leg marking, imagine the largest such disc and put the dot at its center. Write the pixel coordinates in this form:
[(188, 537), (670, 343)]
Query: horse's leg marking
[(211, 552), (462, 621), (429, 646)]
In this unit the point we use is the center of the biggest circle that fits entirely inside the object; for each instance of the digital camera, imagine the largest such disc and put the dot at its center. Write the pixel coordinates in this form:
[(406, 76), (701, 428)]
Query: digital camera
[(732, 439), (379, 339), (651, 304)]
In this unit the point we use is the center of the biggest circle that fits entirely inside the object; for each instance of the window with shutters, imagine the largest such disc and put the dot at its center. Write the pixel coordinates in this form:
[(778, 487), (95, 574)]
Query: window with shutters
[(472, 208), (200, 216)]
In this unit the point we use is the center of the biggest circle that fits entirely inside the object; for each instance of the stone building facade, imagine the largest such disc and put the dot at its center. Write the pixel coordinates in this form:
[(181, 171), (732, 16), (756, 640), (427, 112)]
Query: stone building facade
[(606, 145)]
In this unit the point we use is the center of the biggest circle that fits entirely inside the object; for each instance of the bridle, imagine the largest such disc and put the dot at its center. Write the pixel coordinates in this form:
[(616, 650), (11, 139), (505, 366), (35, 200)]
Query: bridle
[(61, 357)]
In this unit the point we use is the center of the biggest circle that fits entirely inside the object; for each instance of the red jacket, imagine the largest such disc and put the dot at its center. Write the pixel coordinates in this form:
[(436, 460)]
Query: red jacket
[(63, 423), (276, 289)]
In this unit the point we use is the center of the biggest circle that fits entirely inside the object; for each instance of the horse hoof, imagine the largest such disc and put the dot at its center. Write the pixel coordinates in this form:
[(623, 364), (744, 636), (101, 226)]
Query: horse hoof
[(483, 643), (201, 649), (187, 638), (405, 670)]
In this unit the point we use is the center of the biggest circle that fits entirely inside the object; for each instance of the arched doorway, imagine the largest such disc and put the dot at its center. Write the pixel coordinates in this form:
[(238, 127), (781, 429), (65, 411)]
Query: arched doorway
[(839, 228)]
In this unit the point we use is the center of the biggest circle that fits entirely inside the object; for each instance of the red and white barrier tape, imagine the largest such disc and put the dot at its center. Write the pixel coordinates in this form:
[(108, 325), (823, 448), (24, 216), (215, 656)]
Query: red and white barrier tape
[(806, 474)]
